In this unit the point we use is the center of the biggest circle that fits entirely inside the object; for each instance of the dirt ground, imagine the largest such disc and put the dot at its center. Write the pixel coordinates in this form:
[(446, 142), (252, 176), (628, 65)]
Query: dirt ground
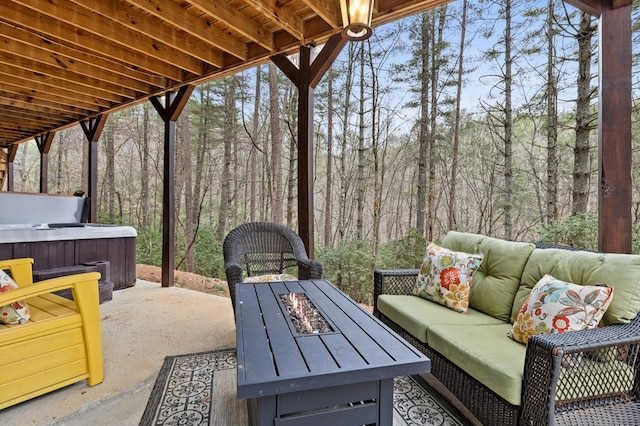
[(185, 280), (193, 281)]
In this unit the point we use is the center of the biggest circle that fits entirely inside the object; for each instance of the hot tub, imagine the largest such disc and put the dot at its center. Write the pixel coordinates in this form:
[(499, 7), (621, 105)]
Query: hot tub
[(59, 245)]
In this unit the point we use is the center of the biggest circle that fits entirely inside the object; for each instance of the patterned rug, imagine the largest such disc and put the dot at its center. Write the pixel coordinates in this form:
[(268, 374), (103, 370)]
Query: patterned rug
[(200, 389)]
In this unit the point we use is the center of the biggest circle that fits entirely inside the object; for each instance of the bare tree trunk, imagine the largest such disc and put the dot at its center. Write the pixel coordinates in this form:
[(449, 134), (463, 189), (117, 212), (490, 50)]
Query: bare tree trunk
[(436, 50), (59, 147), (361, 151), (451, 218), (508, 126), (329, 183), (378, 158), (344, 178), (293, 157), (144, 172), (552, 120), (201, 183), (255, 126), (110, 168), (184, 158), (276, 146), (227, 136), (421, 194), (581, 169)]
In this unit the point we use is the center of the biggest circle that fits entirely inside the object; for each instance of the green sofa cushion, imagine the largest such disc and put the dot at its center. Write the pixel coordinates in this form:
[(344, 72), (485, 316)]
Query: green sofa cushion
[(485, 353), (416, 315), (495, 284), (620, 271)]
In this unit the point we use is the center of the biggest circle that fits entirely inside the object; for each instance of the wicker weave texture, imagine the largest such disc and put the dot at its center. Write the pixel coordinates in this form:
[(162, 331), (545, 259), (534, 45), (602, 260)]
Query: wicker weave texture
[(260, 248)]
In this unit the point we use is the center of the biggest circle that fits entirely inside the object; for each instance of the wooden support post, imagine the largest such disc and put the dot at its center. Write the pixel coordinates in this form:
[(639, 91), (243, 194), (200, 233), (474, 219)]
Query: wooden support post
[(13, 150), (306, 78), (169, 112), (614, 122), (614, 130), (44, 145), (92, 129)]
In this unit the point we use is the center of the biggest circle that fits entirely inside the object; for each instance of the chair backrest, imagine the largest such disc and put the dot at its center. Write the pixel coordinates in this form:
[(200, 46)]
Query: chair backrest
[(263, 248)]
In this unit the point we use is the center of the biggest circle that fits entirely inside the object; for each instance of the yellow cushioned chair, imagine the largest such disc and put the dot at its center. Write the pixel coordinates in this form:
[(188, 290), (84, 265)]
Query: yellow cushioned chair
[(59, 345)]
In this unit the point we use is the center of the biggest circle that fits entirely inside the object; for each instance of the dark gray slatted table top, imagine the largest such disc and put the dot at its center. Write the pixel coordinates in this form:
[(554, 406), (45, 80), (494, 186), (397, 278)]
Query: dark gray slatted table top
[(273, 359)]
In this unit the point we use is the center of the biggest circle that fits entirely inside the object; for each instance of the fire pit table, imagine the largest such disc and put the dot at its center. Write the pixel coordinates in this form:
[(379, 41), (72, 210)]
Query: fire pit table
[(309, 355)]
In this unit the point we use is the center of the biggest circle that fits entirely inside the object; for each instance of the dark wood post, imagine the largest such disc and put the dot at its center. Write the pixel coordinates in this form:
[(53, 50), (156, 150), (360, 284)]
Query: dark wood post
[(13, 150), (614, 122), (306, 78), (44, 145), (614, 130), (92, 129), (169, 112)]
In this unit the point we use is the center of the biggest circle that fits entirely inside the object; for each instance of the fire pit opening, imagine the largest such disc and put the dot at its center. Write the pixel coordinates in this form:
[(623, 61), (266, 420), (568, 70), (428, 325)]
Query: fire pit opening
[(305, 317)]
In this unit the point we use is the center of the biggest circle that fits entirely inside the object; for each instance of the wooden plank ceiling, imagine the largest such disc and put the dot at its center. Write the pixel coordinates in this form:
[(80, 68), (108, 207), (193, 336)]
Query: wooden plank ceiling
[(64, 61)]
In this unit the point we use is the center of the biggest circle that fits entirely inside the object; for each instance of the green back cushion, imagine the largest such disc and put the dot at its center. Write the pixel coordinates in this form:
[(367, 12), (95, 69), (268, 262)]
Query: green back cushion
[(496, 282), (620, 271)]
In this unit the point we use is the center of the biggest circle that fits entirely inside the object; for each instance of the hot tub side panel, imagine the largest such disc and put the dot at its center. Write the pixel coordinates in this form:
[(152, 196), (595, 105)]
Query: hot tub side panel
[(120, 252)]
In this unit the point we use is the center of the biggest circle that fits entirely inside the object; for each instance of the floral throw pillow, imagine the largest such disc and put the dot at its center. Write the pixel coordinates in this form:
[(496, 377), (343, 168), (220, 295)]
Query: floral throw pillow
[(16, 312), (556, 306), (270, 278), (445, 277)]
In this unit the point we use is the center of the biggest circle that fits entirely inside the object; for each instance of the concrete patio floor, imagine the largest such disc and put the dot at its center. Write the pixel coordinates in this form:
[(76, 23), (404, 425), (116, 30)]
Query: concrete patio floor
[(140, 326)]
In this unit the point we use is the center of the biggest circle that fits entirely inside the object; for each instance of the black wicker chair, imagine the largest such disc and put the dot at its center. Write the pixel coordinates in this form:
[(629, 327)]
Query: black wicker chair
[(260, 248)]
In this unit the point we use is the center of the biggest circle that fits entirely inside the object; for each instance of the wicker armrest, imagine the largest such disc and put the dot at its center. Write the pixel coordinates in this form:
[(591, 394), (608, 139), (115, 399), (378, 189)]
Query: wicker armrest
[(309, 269), (400, 281), (569, 372)]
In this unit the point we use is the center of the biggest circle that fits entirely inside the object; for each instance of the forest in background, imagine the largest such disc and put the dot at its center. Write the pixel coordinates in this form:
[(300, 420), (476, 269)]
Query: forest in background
[(479, 116)]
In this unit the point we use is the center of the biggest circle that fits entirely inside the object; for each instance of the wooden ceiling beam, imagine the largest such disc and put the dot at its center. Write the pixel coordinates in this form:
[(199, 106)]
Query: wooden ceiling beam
[(70, 77), (84, 20), (31, 118), (595, 7), (326, 10), (67, 65), (280, 15), (55, 86), (16, 90), (166, 39), (197, 27), (43, 107), (236, 20), (66, 55), (80, 39)]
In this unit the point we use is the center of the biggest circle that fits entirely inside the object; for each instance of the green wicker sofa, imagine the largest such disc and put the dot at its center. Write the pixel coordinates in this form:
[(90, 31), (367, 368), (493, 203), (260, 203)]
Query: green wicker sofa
[(503, 382)]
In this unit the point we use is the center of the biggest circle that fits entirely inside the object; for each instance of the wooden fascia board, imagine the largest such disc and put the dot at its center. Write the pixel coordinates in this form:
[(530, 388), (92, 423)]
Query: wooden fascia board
[(595, 7), (592, 7)]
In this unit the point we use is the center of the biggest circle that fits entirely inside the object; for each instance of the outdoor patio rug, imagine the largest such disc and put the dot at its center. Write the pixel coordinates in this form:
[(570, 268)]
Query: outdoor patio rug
[(200, 389)]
